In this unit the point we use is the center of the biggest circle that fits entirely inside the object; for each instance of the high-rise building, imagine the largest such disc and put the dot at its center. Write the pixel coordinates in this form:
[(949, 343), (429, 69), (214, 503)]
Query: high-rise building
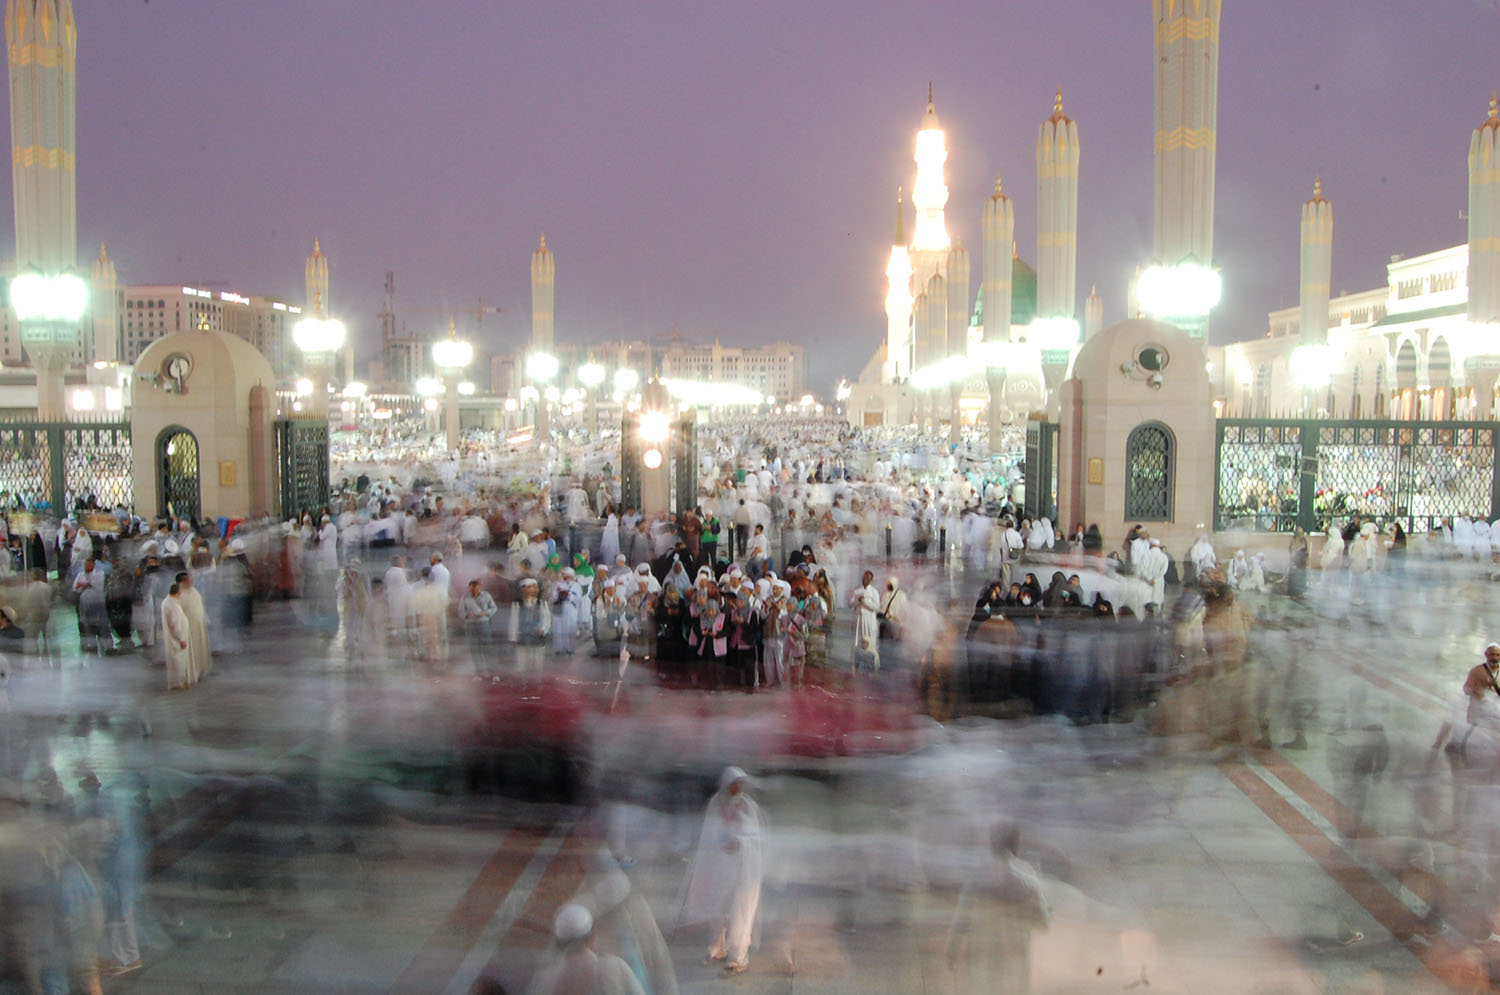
[(543, 293), (155, 310)]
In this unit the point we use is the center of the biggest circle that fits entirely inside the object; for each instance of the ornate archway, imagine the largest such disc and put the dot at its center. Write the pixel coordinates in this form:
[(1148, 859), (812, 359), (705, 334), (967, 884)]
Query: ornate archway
[(178, 484), (1149, 468)]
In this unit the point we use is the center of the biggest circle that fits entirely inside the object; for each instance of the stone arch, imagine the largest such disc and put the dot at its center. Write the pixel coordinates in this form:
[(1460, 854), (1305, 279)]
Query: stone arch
[(179, 492), (1150, 464)]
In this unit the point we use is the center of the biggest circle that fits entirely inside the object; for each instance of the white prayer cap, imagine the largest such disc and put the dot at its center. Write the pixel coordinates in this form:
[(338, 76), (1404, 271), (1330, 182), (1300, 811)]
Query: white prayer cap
[(529, 582), (1155, 541), (326, 519), (642, 569), (171, 548), (572, 922), (569, 572), (1492, 646), (148, 548), (620, 560), (237, 545), (763, 587)]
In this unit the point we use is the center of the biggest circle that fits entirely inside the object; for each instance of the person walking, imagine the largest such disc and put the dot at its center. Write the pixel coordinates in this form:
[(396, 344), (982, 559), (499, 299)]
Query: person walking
[(477, 609), (724, 882)]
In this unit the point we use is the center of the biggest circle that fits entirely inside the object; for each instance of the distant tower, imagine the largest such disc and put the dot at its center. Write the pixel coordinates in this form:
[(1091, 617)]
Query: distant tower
[(1187, 112), (929, 195), (898, 304), (43, 45), (543, 287), (317, 281), (1484, 219), (957, 344), (1317, 266), (388, 310), (104, 346), (998, 227), (1093, 312), (920, 323), (1057, 214)]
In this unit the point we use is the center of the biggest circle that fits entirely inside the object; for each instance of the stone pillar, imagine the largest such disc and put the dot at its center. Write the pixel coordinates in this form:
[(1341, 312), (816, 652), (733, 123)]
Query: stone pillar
[(50, 360)]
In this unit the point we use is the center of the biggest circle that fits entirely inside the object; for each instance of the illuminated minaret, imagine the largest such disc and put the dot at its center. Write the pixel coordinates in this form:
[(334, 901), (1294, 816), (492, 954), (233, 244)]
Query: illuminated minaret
[(1317, 266), (957, 345), (1484, 219), (919, 339), (543, 286), (929, 195), (43, 45), (104, 345), (898, 304), (1187, 110), (998, 228), (317, 281), (1057, 214), (1093, 313)]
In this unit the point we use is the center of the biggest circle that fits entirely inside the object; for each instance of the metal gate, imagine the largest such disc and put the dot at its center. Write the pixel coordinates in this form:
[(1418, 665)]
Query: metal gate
[(1041, 468), (1274, 474), (302, 459), (179, 489), (86, 463)]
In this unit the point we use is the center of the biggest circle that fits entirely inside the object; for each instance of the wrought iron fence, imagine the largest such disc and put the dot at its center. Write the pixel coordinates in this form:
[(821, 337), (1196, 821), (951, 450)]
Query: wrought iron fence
[(57, 465), (1041, 467), (1272, 474), (302, 458)]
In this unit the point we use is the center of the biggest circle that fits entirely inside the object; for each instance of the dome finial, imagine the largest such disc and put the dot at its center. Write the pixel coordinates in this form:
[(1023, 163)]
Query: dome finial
[(1494, 105), (1057, 102), (997, 186), (900, 221), (929, 95), (1318, 187), (316, 250)]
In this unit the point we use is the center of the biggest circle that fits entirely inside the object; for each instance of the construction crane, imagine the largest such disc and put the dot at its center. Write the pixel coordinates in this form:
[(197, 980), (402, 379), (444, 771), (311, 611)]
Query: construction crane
[(477, 312)]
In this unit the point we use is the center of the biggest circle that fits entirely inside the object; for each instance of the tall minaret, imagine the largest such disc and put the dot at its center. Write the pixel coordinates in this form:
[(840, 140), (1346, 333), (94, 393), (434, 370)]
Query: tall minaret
[(1057, 214), (1317, 266), (1093, 313), (1187, 112), (898, 304), (919, 342), (104, 345), (998, 227), (957, 345), (43, 45), (543, 286), (316, 301), (929, 195), (1484, 219)]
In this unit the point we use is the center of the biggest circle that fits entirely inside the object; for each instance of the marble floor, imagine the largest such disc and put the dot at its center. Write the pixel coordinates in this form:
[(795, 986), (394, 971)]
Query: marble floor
[(316, 823)]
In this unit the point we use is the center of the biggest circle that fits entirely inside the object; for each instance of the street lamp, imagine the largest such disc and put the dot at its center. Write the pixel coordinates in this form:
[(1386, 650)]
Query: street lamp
[(541, 367), (319, 339), (49, 309), (451, 355)]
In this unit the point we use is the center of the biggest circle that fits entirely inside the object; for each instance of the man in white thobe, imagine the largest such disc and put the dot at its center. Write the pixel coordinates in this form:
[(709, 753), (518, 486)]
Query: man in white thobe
[(1153, 570), (175, 635), (197, 619)]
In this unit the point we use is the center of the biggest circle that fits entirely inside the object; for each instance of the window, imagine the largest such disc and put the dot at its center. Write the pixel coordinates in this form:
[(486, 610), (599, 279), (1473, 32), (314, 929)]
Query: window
[(1408, 288), (1148, 478)]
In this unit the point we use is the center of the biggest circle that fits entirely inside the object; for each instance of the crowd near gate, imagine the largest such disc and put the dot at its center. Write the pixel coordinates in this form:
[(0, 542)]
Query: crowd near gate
[(58, 466), (1272, 475)]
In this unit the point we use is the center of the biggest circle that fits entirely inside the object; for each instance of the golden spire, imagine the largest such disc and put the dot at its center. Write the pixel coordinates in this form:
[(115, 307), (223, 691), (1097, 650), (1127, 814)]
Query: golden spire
[(102, 253), (318, 302), (1057, 111), (452, 331), (1494, 105), (316, 250), (929, 95), (900, 221), (1317, 197), (543, 246), (997, 186)]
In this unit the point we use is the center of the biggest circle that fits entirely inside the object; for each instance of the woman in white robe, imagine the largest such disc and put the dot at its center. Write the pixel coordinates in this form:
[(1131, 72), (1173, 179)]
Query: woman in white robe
[(723, 884), (867, 622), (1333, 550), (176, 637), (1202, 556), (609, 543)]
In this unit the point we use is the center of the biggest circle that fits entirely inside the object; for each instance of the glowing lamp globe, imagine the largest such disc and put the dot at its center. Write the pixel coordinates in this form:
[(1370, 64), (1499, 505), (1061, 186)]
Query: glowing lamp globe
[(652, 458), (1053, 334), (552, 394), (511, 404), (452, 354), (304, 387), (529, 394), (627, 380), (466, 388), (591, 374), (318, 335), (430, 405), (1187, 290), (427, 387), (1313, 365), (655, 426), (61, 298), (541, 367), (354, 390)]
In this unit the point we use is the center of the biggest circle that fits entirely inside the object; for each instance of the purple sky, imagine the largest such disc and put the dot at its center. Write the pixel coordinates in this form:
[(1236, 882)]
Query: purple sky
[(728, 170)]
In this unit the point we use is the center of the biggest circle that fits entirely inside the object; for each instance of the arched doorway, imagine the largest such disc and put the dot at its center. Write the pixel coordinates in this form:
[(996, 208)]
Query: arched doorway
[(1440, 378), (178, 488), (1406, 380), (1149, 467)]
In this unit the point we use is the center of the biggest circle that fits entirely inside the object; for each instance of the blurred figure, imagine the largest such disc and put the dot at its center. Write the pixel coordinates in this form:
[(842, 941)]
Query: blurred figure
[(625, 927), (93, 613), (197, 621), (989, 943), (477, 611), (866, 624), (175, 635), (352, 593), (574, 968), (724, 881)]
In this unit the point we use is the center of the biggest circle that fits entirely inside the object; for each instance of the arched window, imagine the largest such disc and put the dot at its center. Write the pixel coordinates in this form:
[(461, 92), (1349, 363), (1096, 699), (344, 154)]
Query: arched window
[(1148, 475)]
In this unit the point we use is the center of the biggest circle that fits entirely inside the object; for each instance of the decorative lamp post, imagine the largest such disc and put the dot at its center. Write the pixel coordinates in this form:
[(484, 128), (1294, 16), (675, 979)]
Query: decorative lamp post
[(49, 309), (591, 375), (451, 355), (541, 367), (320, 339)]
